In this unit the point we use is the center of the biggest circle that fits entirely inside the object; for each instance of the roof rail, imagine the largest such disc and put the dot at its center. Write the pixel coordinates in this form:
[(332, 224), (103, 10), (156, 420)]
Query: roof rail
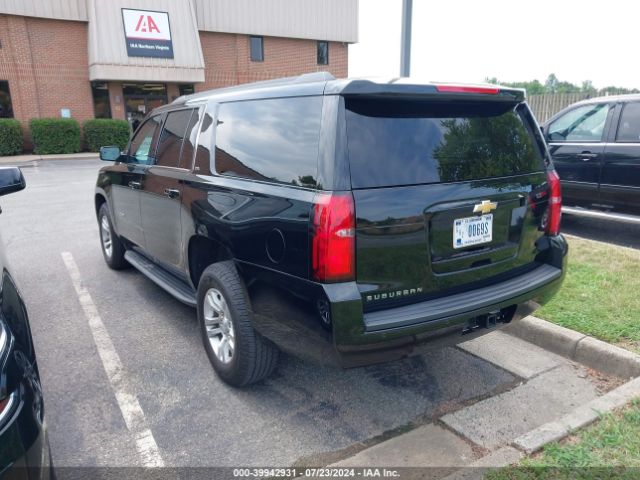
[(276, 82), (304, 78)]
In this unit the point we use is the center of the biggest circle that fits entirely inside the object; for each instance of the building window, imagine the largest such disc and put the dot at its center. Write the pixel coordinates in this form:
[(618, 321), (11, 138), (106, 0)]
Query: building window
[(101, 105), (186, 89), (257, 49), (6, 109), (323, 53)]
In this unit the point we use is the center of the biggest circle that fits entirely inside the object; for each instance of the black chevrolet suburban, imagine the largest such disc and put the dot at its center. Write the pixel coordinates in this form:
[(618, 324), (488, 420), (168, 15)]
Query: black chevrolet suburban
[(342, 220)]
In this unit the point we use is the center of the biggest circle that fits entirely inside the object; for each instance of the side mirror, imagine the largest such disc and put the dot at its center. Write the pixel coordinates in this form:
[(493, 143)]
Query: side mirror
[(11, 180), (109, 154)]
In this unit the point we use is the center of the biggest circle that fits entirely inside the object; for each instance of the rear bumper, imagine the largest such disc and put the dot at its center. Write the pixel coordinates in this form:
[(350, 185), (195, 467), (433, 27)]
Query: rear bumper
[(388, 334), (513, 291), (360, 339)]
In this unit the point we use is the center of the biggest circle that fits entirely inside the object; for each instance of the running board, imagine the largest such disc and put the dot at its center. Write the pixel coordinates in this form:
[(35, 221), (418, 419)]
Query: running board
[(584, 212), (158, 275)]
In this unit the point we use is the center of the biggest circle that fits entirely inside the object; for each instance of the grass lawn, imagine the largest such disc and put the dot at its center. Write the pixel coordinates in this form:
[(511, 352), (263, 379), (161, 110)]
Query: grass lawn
[(610, 448), (601, 293), (600, 297)]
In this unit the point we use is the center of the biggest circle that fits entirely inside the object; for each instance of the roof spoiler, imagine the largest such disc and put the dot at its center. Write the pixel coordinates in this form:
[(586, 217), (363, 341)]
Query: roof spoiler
[(405, 88)]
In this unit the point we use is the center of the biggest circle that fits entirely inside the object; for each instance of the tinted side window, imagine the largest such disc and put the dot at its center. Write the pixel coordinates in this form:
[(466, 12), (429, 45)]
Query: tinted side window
[(629, 127), (142, 148), (173, 132), (582, 124), (203, 163), (273, 140)]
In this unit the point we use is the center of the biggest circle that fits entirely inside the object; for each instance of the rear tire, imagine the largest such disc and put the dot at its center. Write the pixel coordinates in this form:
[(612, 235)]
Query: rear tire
[(239, 355), (112, 247)]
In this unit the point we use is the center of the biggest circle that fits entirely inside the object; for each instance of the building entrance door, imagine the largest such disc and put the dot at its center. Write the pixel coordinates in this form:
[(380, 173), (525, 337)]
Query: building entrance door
[(141, 98)]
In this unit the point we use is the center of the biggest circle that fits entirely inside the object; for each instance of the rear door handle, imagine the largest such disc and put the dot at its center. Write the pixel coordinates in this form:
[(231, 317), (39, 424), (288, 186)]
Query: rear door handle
[(172, 192), (586, 156), (135, 185)]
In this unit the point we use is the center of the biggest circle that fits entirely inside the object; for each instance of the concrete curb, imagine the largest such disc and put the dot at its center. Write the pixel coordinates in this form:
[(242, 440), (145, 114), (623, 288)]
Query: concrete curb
[(576, 346), (20, 159), (582, 416), (582, 349), (503, 457)]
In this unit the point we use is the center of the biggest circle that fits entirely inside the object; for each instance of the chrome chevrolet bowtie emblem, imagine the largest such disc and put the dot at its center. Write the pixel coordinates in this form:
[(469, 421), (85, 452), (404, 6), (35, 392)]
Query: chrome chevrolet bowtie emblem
[(485, 207)]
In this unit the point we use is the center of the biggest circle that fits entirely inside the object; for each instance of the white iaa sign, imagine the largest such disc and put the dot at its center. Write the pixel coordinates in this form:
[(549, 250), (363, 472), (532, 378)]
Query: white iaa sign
[(147, 33)]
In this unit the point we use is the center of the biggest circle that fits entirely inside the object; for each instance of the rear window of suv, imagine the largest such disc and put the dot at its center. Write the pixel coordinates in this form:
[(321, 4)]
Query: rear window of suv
[(397, 142)]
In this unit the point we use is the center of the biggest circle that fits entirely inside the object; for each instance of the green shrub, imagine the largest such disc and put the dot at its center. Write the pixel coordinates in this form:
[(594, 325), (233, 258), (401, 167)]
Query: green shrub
[(10, 137), (55, 135), (103, 132)]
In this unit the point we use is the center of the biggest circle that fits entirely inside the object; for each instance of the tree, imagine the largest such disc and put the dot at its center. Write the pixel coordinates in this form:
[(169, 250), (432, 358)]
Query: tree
[(551, 84), (587, 87)]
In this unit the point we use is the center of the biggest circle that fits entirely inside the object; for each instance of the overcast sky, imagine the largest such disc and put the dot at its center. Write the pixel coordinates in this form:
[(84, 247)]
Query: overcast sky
[(467, 40)]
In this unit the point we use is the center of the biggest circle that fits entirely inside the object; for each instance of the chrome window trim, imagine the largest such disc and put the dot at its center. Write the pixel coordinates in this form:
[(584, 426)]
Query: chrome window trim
[(575, 182), (578, 144), (620, 187), (595, 144)]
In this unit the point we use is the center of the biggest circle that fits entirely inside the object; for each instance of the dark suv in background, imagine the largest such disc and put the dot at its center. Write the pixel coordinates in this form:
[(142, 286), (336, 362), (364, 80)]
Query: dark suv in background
[(338, 219), (595, 145)]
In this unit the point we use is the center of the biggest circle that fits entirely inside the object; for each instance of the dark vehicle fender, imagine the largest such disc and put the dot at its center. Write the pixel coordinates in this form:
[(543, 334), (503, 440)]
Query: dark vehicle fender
[(202, 251), (101, 196)]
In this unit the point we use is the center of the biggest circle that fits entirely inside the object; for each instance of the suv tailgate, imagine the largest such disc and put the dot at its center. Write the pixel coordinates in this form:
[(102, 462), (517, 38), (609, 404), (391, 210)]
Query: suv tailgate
[(443, 194)]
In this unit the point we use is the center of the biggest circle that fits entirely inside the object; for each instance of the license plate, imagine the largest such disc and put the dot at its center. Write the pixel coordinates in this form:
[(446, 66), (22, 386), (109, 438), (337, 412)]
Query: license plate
[(472, 230)]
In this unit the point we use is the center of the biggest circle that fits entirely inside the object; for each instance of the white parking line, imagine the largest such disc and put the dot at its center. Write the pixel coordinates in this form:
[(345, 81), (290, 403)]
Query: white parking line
[(127, 400)]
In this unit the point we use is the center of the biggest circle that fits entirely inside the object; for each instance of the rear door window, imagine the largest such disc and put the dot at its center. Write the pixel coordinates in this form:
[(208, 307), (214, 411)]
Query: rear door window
[(392, 142), (272, 140), (629, 127), (171, 139)]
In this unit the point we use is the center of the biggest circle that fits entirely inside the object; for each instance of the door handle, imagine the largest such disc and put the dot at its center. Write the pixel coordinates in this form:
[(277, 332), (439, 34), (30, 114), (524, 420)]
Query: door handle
[(172, 192), (135, 185), (586, 156)]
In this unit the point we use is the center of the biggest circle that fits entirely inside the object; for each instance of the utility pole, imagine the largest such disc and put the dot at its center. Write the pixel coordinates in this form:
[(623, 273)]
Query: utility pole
[(405, 46)]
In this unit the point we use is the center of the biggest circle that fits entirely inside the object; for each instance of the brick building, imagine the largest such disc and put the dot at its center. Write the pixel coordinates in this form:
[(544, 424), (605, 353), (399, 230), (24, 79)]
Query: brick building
[(121, 58)]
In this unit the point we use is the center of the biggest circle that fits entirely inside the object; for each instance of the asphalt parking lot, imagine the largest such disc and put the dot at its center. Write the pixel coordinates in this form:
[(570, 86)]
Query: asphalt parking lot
[(304, 413)]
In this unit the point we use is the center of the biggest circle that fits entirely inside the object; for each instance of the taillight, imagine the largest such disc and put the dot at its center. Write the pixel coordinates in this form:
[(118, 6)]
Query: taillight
[(7, 407), (467, 89), (333, 238), (4, 403), (554, 210)]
